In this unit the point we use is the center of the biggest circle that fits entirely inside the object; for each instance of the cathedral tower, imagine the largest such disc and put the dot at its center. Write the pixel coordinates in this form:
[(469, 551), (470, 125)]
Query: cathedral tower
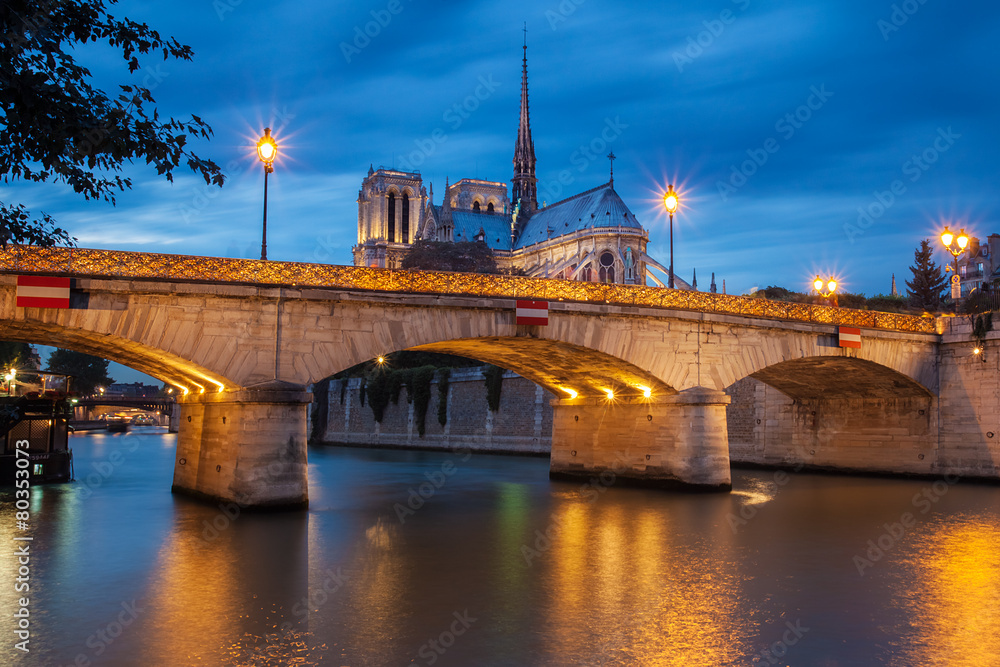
[(524, 181)]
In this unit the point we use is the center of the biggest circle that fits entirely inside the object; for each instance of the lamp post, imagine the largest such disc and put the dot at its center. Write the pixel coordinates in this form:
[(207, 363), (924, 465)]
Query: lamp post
[(670, 202), (267, 151), (826, 288), (956, 246)]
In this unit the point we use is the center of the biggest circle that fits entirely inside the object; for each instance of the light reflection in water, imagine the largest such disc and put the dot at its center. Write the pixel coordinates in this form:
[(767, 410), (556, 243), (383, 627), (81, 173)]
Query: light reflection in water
[(620, 583), (950, 596)]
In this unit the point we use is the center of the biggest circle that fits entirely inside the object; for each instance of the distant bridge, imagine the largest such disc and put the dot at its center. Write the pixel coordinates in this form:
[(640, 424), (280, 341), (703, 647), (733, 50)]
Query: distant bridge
[(242, 339), (152, 404)]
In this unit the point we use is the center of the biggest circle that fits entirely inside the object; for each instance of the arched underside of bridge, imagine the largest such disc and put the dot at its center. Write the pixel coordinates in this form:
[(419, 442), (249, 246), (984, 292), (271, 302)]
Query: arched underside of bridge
[(562, 368), (185, 375), (839, 377), (839, 413)]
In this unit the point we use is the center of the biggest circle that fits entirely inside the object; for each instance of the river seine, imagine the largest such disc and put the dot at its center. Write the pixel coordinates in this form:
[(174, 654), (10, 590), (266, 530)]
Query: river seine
[(420, 558)]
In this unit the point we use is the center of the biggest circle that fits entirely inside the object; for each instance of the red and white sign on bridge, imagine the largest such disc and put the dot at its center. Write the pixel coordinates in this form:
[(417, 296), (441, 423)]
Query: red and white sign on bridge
[(42, 292), (850, 337), (534, 313)]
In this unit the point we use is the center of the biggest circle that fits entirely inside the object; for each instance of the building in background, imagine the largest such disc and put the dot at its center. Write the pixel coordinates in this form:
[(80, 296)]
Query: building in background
[(979, 264), (592, 236)]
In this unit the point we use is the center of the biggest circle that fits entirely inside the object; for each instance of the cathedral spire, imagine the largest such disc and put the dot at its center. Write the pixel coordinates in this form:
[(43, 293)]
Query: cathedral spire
[(524, 181)]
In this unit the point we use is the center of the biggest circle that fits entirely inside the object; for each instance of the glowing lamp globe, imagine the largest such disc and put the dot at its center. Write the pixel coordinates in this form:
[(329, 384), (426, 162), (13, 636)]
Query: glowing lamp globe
[(267, 149)]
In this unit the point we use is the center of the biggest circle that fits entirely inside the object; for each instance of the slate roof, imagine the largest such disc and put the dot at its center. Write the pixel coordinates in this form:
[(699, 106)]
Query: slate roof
[(496, 226), (600, 207)]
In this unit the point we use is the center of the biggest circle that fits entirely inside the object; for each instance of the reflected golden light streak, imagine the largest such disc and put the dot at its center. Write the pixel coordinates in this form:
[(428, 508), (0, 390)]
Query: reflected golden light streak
[(951, 594)]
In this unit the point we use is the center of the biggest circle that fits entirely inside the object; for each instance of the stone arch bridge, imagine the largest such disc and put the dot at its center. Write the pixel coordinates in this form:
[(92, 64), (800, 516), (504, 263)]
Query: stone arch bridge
[(644, 372)]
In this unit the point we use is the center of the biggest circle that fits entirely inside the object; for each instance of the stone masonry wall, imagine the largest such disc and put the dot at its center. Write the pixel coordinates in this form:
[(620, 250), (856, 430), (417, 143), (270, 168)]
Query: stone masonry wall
[(523, 424), (957, 432)]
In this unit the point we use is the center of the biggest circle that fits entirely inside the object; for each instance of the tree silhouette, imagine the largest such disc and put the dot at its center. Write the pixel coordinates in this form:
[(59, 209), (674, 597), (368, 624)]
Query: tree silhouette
[(88, 371), (56, 126), (928, 279)]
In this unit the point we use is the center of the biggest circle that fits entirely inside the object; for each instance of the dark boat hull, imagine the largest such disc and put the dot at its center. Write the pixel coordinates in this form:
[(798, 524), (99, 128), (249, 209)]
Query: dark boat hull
[(42, 467)]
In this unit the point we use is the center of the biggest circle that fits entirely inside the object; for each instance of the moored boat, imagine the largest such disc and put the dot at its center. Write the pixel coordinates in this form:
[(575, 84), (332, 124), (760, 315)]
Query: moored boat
[(34, 416)]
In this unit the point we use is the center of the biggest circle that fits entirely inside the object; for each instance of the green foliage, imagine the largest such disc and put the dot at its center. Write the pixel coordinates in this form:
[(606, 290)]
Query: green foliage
[(494, 384), (378, 386), (887, 303), (465, 257), (418, 387), (88, 371), (848, 300), (444, 375), (928, 281), (321, 397), (56, 126), (16, 355)]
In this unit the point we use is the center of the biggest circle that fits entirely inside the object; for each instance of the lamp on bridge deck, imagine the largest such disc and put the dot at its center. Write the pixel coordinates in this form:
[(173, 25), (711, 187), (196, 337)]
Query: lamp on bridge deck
[(267, 151), (670, 202), (956, 246), (826, 289)]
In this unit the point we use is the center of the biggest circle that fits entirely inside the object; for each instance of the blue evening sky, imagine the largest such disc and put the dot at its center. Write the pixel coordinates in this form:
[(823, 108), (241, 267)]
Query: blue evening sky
[(781, 122)]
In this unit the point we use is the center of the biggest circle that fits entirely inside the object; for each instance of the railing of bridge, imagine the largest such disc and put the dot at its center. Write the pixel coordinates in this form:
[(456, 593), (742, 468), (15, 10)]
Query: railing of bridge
[(124, 265)]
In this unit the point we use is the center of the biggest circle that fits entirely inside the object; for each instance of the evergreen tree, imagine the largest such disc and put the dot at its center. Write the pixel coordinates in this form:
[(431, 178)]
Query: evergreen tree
[(928, 279)]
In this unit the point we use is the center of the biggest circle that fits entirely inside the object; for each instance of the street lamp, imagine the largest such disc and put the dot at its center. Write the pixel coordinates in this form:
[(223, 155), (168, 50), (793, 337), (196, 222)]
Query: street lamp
[(826, 288), (267, 151), (670, 202), (956, 246)]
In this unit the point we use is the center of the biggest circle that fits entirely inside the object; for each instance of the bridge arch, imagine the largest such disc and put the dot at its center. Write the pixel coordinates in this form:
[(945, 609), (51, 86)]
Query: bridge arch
[(188, 377)]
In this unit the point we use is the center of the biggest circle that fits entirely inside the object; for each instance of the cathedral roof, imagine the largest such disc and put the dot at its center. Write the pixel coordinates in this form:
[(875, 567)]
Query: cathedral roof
[(495, 226), (600, 207)]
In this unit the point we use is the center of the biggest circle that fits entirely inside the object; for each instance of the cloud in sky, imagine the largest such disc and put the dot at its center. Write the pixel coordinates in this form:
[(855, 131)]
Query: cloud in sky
[(701, 87)]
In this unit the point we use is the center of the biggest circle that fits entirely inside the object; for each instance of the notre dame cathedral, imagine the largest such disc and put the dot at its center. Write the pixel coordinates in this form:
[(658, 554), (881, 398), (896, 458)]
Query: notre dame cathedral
[(592, 236)]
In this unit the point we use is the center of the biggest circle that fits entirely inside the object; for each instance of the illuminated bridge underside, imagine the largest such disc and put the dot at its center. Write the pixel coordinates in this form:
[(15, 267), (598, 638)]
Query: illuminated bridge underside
[(839, 377), (557, 366)]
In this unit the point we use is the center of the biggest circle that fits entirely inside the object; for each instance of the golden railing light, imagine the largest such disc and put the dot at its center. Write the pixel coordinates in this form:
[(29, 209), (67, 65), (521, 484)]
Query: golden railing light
[(572, 393), (610, 394), (646, 392), (124, 265)]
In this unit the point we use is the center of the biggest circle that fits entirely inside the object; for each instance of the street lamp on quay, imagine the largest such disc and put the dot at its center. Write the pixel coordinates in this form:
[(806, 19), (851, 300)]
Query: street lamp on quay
[(826, 288), (956, 246), (267, 151), (671, 202)]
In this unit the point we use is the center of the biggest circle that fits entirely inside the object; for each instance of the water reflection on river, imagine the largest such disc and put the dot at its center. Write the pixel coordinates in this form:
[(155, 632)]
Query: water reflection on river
[(500, 566)]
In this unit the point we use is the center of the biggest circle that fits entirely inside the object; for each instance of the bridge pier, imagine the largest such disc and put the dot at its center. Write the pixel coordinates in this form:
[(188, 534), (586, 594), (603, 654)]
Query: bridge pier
[(677, 441), (247, 447)]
